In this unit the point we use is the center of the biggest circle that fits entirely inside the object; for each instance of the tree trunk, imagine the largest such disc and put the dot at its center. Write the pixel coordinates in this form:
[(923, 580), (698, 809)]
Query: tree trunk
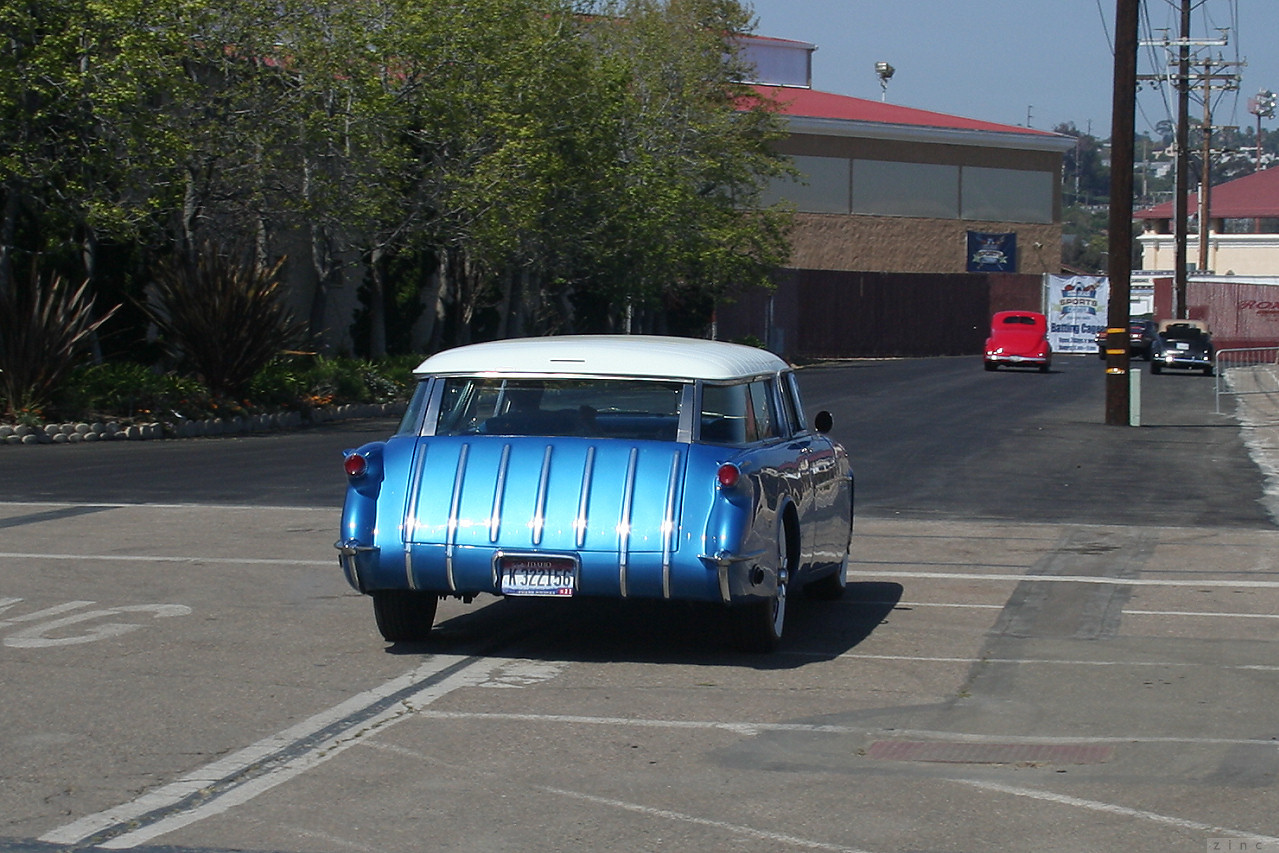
[(322, 264), (89, 257), (426, 329), (377, 304), (8, 228)]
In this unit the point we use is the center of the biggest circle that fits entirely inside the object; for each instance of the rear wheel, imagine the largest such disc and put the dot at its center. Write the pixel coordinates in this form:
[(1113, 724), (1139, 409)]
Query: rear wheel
[(404, 616), (1155, 367), (831, 587)]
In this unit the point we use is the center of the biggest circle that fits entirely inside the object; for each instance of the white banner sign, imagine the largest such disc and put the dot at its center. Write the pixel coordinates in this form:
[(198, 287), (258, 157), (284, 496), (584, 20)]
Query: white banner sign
[(1077, 308)]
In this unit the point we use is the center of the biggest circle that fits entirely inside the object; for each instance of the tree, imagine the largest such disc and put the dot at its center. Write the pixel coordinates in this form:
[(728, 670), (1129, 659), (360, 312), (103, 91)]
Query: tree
[(81, 152), (692, 154)]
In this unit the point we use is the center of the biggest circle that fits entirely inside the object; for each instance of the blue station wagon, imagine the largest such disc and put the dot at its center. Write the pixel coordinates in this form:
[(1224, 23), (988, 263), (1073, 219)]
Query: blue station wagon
[(607, 466)]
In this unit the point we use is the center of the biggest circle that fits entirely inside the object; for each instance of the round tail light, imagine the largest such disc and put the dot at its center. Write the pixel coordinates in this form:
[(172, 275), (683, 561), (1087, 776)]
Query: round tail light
[(355, 465), (729, 475)]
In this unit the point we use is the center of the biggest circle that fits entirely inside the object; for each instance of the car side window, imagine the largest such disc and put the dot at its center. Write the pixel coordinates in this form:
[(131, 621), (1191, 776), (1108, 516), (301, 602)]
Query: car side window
[(723, 415), (761, 420), (411, 423), (790, 404)]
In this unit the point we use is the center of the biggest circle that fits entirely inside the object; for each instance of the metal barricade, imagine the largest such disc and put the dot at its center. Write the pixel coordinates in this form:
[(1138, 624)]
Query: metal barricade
[(1246, 371)]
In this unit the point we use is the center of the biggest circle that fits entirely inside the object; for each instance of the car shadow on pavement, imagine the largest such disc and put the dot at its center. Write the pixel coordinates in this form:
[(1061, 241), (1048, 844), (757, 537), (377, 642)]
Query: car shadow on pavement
[(647, 631)]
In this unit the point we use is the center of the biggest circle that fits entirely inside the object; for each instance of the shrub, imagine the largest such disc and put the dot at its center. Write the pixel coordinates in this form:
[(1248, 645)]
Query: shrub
[(223, 318), (128, 390), (43, 330)]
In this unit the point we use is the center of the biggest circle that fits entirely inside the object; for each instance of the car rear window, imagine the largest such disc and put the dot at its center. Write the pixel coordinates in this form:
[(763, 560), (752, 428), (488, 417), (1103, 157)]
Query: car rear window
[(594, 408)]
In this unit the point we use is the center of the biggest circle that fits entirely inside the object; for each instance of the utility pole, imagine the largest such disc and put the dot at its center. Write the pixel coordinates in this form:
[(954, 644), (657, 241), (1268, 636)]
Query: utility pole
[(1181, 201), (1228, 82), (1181, 213), (1122, 132)]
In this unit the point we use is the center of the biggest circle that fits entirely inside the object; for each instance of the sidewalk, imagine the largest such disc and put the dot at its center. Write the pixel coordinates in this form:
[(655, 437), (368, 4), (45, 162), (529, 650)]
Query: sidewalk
[(1255, 390)]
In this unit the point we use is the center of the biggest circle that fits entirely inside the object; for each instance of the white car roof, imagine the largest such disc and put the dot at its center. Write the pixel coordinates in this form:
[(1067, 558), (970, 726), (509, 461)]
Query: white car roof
[(639, 356)]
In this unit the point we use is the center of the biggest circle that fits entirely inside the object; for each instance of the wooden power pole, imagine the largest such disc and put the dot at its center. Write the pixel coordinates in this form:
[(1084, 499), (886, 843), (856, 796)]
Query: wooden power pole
[(1122, 133)]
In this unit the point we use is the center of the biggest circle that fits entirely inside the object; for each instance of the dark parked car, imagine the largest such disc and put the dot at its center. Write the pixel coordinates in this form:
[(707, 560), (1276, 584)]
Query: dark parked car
[(1141, 339), (1183, 344)]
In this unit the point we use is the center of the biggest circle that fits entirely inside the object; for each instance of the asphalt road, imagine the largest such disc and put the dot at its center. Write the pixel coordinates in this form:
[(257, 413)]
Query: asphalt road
[(1058, 636), (930, 438)]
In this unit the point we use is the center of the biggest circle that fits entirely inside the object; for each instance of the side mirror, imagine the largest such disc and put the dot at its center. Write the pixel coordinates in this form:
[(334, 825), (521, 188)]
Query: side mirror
[(823, 422)]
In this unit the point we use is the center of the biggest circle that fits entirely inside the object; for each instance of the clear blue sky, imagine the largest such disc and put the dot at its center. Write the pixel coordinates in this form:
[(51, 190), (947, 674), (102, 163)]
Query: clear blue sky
[(1005, 60)]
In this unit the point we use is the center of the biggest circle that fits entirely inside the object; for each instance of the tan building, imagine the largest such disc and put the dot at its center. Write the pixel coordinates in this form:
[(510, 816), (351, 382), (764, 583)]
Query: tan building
[(911, 228), (1242, 233), (889, 188)]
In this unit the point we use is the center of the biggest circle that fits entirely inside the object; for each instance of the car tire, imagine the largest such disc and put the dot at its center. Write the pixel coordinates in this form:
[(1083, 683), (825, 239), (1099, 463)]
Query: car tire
[(831, 587), (990, 365), (1208, 370), (1155, 367), (404, 616)]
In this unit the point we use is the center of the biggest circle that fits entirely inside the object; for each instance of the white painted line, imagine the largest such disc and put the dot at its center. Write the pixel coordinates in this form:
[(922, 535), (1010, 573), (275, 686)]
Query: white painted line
[(224, 771), (938, 604), (210, 506), (969, 576), (753, 728), (1111, 808), (151, 558), (1041, 661), (681, 817), (650, 811), (1214, 615), (908, 605), (905, 605)]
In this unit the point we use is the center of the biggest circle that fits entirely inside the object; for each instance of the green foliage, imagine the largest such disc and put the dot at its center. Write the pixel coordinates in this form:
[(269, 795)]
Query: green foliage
[(310, 381), (1084, 238), (43, 330), (130, 390), (223, 318), (546, 153)]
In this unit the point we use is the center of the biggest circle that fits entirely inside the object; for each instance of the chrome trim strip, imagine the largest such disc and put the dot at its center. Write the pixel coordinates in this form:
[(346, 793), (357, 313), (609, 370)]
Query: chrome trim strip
[(690, 407), (723, 561), (450, 535), (499, 492), (668, 524), (624, 524), (408, 524), (588, 471), (348, 549), (539, 512)]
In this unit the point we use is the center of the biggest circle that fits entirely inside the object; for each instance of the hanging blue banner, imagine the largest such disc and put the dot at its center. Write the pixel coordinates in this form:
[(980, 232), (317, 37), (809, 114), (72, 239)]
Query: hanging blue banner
[(992, 252)]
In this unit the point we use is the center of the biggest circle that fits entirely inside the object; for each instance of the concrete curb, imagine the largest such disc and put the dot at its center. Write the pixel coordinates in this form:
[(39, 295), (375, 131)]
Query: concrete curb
[(88, 433)]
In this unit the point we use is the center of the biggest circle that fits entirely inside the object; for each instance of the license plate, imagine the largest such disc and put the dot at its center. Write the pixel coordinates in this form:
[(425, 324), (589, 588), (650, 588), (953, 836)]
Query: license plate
[(1181, 346), (555, 576)]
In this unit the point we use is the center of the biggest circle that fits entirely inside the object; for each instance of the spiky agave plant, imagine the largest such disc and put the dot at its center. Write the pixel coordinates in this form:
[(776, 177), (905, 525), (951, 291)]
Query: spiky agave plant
[(224, 318), (44, 329)]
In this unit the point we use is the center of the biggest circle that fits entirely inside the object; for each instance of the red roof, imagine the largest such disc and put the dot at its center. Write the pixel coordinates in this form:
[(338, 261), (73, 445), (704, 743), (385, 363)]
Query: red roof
[(809, 103), (1254, 196)]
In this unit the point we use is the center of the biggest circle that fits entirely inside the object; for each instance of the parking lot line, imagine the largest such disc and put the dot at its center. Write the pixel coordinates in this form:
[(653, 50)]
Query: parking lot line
[(257, 768)]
